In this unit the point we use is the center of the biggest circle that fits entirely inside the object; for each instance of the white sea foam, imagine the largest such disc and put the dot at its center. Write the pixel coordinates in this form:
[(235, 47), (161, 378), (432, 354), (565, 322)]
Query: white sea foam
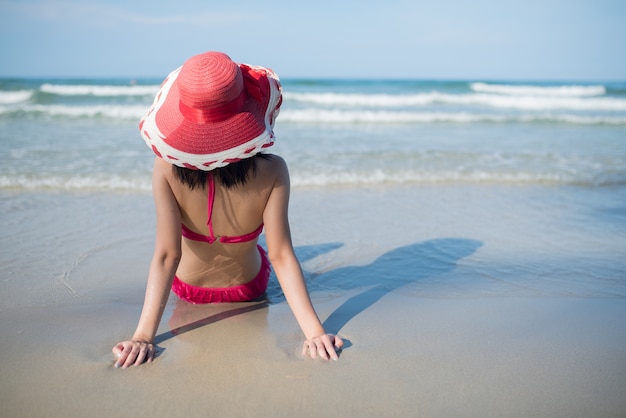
[(477, 176), (336, 116), (99, 90), (13, 97), (538, 102), (75, 183), (315, 115), (435, 98), (527, 90), (105, 111), (363, 100), (302, 179)]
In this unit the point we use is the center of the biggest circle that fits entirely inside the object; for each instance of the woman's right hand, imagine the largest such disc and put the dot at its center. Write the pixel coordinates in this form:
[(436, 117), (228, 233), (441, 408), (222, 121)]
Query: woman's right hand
[(326, 346), (133, 353)]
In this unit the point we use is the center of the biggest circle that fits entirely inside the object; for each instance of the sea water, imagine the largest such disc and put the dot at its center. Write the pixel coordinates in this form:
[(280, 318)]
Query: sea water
[(451, 187), (83, 134)]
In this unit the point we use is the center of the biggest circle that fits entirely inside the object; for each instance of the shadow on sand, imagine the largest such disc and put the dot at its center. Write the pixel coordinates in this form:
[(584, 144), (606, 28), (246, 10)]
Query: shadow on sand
[(392, 270)]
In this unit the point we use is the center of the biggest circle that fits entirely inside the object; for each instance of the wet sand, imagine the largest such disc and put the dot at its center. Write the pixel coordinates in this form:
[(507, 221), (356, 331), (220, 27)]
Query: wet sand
[(453, 301)]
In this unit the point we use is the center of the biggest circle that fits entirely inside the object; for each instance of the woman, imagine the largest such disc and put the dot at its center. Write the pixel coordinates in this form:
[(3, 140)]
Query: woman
[(214, 192)]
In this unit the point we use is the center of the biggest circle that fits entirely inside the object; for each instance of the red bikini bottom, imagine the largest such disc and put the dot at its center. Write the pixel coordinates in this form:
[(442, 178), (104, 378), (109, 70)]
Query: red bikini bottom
[(241, 293)]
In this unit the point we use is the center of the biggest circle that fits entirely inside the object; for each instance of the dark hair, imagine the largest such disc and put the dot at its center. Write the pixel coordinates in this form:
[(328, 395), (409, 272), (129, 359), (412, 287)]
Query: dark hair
[(232, 175)]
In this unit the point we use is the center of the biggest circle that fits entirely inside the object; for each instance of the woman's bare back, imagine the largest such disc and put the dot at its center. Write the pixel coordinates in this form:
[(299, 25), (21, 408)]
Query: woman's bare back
[(236, 211)]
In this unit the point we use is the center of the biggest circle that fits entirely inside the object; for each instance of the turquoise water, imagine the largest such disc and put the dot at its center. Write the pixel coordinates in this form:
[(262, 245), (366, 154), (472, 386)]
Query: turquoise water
[(82, 134)]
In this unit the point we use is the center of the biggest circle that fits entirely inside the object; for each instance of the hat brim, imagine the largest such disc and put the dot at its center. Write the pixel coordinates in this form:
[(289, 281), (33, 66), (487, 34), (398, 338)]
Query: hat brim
[(214, 144)]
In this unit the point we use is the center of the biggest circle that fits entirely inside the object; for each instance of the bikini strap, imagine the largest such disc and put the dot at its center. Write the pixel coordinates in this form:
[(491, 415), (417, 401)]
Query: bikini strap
[(210, 200)]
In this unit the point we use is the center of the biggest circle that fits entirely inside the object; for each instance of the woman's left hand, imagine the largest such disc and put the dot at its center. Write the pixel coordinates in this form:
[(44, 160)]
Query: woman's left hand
[(326, 346)]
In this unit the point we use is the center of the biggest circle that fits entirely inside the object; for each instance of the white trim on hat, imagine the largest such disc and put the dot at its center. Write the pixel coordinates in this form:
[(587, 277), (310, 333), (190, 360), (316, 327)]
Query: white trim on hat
[(155, 139)]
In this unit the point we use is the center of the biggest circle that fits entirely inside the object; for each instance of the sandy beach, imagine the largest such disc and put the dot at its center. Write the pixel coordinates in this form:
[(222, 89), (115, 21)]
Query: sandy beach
[(453, 300)]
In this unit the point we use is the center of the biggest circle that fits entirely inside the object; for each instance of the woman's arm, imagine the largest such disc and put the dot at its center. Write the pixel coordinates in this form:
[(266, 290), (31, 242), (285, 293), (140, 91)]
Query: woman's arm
[(164, 263), (288, 270)]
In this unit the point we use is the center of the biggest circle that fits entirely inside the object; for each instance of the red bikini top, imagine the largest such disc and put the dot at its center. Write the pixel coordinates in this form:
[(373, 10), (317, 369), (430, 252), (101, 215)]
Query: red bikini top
[(211, 238)]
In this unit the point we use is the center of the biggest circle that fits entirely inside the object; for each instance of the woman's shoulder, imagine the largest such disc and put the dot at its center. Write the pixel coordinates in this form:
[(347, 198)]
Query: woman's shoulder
[(273, 159), (271, 171), (161, 166), (272, 164)]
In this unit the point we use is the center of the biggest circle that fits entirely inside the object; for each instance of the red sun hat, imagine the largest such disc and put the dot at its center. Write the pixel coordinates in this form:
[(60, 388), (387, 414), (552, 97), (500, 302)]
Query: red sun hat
[(211, 112)]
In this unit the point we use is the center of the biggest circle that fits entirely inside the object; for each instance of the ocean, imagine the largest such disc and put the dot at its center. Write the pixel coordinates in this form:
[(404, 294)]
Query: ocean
[(467, 239), (82, 135)]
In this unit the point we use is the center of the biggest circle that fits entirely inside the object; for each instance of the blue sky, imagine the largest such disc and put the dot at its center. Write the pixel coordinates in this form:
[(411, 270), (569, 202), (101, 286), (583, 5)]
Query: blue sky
[(479, 39)]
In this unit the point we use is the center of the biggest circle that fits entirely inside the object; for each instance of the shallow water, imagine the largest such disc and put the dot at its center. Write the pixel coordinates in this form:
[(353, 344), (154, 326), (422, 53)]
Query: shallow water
[(83, 134)]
